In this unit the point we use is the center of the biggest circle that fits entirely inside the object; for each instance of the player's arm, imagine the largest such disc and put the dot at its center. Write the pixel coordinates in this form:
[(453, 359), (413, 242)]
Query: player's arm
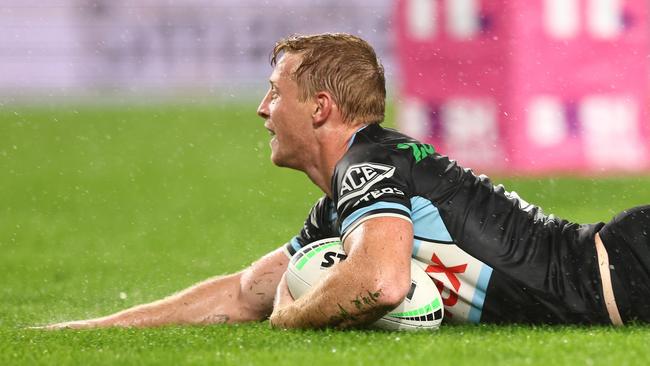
[(240, 297), (373, 280)]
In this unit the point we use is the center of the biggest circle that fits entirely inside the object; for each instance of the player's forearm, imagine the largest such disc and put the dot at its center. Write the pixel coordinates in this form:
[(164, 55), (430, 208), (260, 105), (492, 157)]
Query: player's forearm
[(214, 301), (241, 297), (343, 315), (352, 302), (373, 280), (209, 302)]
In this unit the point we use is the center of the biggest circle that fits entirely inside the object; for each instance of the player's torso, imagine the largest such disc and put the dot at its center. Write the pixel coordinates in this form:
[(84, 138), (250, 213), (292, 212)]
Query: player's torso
[(454, 214), (447, 205)]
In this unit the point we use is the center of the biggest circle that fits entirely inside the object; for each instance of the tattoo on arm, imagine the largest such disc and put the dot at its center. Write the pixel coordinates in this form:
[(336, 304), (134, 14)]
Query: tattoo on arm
[(369, 300), (360, 303), (216, 319), (344, 315)]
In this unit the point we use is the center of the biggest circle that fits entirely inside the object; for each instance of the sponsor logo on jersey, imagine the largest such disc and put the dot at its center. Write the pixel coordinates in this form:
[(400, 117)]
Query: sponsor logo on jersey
[(360, 178), (420, 151), (376, 193), (461, 279)]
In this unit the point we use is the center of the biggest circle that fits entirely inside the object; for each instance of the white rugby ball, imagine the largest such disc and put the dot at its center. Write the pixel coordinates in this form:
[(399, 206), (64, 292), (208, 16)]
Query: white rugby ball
[(421, 309)]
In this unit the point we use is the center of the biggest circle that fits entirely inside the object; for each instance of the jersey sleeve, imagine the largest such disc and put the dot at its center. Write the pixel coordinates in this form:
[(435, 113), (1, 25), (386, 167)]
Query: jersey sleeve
[(320, 224), (371, 182)]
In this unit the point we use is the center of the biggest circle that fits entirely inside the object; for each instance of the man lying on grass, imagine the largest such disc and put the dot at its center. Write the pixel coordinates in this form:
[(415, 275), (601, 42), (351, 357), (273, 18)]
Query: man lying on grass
[(494, 257)]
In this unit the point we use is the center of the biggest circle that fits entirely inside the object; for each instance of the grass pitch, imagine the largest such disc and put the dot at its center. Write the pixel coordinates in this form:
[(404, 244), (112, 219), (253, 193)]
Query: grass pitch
[(102, 208)]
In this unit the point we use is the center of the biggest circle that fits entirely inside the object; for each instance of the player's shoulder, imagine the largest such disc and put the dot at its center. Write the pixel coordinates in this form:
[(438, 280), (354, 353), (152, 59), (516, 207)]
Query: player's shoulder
[(377, 150), (384, 145), (375, 143), (323, 208), (320, 224), (374, 177)]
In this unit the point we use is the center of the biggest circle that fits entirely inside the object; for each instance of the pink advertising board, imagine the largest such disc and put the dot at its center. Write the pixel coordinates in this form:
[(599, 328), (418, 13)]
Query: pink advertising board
[(527, 86)]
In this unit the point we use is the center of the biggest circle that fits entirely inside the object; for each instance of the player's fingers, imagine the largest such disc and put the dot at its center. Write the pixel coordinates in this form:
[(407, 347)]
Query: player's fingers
[(44, 327), (63, 325), (36, 327)]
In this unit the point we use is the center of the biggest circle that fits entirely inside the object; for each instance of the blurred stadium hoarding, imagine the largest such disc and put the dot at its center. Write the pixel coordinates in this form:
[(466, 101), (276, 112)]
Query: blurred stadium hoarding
[(153, 47), (501, 85), (528, 86)]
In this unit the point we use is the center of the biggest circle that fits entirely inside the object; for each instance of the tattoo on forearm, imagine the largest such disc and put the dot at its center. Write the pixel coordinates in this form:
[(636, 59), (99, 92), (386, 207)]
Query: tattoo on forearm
[(342, 316), (360, 303), (216, 319), (370, 299)]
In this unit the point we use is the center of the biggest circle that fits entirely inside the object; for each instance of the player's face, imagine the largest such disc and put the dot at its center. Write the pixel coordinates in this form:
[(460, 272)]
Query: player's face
[(287, 118)]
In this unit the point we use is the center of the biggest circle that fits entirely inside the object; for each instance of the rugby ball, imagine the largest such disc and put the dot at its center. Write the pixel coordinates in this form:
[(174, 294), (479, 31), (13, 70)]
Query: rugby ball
[(421, 309)]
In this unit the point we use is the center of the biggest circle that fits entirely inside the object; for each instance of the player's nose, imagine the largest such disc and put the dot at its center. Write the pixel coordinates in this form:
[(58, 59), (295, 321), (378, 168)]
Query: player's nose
[(263, 108)]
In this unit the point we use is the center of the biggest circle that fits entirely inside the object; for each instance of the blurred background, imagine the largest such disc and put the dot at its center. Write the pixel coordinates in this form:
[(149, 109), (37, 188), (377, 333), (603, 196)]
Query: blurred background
[(501, 85), (151, 48)]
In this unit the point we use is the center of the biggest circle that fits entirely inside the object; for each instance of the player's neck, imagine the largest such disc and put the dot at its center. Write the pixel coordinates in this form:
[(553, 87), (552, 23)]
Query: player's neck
[(333, 143)]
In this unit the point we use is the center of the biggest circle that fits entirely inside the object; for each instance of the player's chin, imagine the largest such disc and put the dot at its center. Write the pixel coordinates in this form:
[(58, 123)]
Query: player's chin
[(277, 160), (284, 161), (276, 155)]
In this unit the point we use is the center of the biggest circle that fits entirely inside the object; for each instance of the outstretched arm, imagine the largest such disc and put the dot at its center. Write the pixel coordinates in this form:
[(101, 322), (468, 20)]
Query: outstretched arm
[(373, 280), (240, 297)]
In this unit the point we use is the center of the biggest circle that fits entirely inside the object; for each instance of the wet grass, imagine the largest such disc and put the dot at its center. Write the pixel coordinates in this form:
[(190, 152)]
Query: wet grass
[(102, 208)]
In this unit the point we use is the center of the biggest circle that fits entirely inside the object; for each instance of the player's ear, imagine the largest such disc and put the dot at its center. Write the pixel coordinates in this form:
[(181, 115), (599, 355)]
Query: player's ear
[(323, 108)]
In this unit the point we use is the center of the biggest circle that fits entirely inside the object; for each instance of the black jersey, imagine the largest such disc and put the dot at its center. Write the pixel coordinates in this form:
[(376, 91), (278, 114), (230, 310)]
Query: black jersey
[(493, 256)]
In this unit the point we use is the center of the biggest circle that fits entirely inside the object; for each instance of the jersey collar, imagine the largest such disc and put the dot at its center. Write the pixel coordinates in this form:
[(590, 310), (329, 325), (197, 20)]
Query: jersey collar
[(355, 135)]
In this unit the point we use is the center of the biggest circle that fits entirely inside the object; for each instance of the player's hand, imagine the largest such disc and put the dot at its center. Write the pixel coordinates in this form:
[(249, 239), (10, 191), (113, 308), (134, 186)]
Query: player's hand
[(77, 324), (283, 299)]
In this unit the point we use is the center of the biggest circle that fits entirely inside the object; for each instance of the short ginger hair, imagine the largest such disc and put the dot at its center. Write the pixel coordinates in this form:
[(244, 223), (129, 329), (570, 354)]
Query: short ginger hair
[(342, 64)]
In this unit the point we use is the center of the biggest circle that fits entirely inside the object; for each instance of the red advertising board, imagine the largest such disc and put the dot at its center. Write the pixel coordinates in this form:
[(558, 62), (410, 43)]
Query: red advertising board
[(527, 86)]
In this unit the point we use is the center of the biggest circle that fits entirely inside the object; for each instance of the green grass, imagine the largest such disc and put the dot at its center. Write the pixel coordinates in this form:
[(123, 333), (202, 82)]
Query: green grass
[(96, 202)]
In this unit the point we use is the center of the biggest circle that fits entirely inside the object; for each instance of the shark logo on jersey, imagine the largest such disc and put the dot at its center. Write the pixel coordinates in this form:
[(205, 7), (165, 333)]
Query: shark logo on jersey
[(359, 178)]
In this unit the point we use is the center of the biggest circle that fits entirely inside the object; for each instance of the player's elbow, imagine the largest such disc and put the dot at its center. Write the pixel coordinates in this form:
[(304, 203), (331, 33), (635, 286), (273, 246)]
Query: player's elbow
[(254, 300), (392, 289)]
